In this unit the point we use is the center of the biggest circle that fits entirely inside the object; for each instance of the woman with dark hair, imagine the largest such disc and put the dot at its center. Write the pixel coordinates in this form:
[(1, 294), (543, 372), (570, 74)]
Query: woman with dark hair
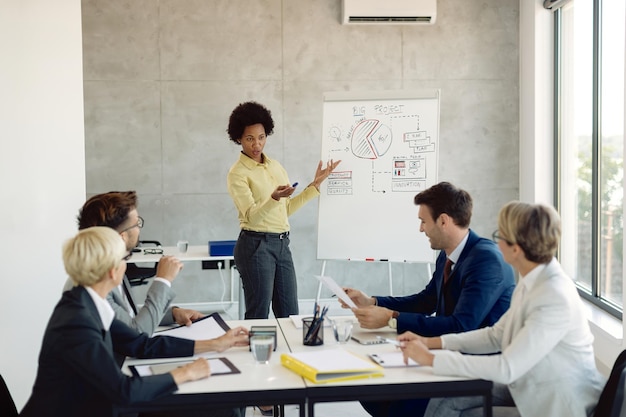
[(540, 353), (262, 193)]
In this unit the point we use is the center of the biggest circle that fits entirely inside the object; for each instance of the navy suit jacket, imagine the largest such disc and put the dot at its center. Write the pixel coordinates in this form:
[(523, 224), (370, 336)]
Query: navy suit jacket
[(78, 375), (478, 292)]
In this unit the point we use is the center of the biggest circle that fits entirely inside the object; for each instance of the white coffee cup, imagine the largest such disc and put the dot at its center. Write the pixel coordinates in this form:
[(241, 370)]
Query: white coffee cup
[(262, 347), (182, 246)]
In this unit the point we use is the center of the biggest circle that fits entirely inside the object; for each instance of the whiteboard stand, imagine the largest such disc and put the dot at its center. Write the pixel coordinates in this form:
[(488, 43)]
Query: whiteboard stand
[(429, 271)]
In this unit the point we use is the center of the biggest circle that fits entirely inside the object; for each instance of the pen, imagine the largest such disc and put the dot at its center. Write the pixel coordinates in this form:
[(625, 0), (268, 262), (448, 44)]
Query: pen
[(387, 340), (295, 184)]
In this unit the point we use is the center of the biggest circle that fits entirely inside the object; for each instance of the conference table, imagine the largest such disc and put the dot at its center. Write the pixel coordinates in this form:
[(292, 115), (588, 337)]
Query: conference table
[(396, 384), (274, 384), (257, 384)]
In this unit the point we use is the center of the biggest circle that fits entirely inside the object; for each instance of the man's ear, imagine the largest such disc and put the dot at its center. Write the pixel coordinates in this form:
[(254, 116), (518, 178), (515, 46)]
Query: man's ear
[(444, 219), (124, 236)]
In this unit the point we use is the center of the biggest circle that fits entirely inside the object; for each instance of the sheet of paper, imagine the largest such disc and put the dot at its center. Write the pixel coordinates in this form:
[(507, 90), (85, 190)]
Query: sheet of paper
[(392, 359), (336, 289), (207, 328)]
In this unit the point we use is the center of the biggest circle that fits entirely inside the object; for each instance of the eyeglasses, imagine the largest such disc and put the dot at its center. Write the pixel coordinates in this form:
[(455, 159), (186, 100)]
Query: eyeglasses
[(127, 257), (153, 251), (138, 225), (495, 236)]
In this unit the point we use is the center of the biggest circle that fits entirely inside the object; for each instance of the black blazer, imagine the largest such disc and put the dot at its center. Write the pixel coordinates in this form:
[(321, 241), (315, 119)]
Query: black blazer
[(78, 375), (478, 292)]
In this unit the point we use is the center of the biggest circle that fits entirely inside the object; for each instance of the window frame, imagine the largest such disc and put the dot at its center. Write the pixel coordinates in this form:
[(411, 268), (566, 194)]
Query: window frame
[(593, 296)]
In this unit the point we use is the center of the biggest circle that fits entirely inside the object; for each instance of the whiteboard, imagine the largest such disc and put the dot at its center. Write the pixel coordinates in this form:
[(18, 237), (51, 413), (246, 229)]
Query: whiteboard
[(388, 146)]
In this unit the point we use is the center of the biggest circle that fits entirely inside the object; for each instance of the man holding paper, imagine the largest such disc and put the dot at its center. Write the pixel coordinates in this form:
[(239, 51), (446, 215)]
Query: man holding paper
[(470, 288)]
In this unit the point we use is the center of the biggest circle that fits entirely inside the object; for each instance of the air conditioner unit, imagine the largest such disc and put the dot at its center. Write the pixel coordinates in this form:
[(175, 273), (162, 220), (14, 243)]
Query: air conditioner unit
[(396, 12)]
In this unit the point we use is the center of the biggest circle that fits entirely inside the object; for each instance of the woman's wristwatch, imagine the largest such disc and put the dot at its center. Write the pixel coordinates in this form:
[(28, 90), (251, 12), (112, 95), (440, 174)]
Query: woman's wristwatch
[(393, 321)]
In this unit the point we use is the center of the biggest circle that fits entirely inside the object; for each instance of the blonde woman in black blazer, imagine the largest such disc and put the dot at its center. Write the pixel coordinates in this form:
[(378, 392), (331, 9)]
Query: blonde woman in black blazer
[(77, 374)]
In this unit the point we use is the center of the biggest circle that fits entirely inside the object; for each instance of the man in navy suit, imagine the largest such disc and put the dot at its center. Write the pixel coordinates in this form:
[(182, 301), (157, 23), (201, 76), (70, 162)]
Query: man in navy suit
[(470, 288)]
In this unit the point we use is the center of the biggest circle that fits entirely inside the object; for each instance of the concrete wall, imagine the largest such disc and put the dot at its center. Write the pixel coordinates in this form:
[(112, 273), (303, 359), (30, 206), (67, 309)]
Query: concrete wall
[(161, 78)]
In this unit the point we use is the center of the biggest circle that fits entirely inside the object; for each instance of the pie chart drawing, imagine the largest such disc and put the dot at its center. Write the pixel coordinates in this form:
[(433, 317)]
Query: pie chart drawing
[(370, 139)]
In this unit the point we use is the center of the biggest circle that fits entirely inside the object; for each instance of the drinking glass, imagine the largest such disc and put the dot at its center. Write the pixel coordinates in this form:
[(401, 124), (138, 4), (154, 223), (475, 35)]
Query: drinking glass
[(261, 347), (342, 328)]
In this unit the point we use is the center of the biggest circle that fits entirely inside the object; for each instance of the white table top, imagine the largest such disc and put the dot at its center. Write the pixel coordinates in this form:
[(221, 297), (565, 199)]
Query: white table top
[(253, 377), (276, 384), (293, 336), (194, 253)]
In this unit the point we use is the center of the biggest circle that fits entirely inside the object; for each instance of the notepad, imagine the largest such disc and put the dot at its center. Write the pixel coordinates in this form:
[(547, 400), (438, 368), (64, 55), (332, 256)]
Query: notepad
[(392, 359), (219, 366), (208, 327), (332, 365)]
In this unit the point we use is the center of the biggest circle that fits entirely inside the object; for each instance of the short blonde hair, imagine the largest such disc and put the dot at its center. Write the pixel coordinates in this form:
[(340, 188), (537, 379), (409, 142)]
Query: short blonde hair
[(92, 253), (536, 228)]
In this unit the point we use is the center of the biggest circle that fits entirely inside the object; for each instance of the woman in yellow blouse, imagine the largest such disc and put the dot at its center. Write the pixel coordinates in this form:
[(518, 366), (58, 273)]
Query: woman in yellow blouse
[(262, 193)]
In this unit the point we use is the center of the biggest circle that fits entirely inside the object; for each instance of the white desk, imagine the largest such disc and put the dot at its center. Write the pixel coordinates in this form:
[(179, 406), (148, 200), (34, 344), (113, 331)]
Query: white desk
[(256, 384), (275, 384), (397, 383), (198, 253)]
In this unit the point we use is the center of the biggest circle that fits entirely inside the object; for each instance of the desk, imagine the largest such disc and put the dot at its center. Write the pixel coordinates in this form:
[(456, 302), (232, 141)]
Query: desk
[(256, 384), (275, 384), (197, 253), (397, 384)]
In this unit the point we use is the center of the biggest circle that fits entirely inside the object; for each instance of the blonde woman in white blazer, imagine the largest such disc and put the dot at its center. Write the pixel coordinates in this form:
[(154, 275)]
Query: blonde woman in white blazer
[(540, 351)]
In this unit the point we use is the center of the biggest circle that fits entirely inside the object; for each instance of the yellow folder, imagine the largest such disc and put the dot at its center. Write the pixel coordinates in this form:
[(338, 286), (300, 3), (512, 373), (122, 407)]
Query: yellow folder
[(330, 365)]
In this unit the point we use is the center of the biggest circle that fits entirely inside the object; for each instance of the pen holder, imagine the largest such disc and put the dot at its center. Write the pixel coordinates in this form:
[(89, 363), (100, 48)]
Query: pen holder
[(312, 331)]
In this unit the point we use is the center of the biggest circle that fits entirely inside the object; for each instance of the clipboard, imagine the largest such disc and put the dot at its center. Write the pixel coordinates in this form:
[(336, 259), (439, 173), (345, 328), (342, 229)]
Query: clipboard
[(208, 327), (392, 359), (219, 366)]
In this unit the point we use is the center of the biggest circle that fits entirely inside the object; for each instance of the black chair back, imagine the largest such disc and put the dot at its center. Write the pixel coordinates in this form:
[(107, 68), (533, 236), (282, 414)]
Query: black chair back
[(137, 275), (7, 406), (611, 399)]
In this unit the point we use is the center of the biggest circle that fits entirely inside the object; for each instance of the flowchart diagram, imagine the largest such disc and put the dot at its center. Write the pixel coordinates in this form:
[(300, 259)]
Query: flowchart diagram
[(388, 147)]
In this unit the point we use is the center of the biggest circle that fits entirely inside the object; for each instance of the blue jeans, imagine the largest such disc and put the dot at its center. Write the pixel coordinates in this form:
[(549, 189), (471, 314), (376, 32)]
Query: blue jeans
[(267, 274)]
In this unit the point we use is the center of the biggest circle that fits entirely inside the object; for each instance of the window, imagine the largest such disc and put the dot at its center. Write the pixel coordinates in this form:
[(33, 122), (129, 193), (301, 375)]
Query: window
[(589, 103)]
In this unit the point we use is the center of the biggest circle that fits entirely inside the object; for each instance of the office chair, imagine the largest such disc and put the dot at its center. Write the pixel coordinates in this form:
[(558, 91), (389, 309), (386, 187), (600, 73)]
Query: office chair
[(137, 275), (7, 406), (611, 402)]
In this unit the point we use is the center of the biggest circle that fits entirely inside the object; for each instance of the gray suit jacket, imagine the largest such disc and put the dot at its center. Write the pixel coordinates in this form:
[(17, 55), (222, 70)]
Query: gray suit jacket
[(546, 358), (155, 311)]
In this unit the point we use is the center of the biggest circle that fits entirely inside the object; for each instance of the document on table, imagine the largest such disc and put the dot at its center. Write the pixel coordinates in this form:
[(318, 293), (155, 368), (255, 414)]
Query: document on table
[(219, 366), (208, 327), (336, 289), (392, 359)]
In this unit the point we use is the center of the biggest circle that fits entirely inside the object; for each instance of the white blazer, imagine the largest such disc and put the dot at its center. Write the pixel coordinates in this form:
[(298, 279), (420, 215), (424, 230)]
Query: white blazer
[(546, 353)]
